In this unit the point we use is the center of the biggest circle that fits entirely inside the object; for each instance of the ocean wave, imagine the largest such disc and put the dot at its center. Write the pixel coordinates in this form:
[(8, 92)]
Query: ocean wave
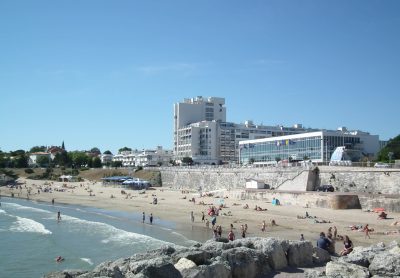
[(26, 225), (2, 211), (110, 233), (20, 207), (87, 260)]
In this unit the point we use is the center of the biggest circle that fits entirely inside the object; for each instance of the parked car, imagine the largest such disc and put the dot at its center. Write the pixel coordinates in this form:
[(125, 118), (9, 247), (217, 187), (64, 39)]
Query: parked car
[(381, 165), (326, 188)]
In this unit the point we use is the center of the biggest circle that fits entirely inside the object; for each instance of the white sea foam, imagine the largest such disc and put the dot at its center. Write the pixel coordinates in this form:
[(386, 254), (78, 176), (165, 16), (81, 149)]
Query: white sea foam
[(2, 211), (89, 261), (25, 225), (109, 232), (20, 207)]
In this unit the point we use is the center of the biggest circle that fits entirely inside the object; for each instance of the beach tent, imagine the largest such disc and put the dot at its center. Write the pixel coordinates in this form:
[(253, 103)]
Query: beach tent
[(136, 184), (254, 184)]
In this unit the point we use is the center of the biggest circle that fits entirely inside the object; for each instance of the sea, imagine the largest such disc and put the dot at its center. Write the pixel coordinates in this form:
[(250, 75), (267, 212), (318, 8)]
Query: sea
[(31, 237)]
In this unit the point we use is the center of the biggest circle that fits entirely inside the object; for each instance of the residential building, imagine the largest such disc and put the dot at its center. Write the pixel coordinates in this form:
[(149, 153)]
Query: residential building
[(191, 111), (156, 157), (34, 157)]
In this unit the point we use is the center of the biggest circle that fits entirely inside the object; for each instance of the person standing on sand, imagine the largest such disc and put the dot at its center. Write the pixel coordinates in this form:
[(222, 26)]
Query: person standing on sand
[(263, 226), (202, 216), (192, 216), (231, 236), (301, 237), (366, 230), (151, 218), (143, 217), (334, 232), (52, 201)]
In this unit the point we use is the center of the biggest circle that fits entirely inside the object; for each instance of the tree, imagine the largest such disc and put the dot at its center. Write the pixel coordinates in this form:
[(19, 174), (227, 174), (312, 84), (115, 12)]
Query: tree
[(107, 152), (42, 161), (96, 162), (116, 164), (393, 146), (37, 149), (95, 151), (62, 159), (79, 159), (187, 160), (21, 162), (124, 149)]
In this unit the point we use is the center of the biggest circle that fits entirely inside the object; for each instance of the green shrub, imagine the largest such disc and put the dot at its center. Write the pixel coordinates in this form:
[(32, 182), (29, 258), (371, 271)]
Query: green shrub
[(29, 171)]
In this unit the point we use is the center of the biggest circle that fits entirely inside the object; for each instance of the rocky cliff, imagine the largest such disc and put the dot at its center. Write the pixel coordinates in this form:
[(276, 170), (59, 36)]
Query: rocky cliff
[(250, 257)]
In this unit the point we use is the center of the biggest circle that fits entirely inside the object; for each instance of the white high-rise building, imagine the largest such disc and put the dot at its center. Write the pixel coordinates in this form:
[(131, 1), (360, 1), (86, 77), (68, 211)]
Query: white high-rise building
[(202, 133), (194, 110)]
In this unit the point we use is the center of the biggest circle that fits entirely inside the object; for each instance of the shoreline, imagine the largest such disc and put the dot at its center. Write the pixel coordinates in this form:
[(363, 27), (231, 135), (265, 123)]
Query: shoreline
[(172, 207)]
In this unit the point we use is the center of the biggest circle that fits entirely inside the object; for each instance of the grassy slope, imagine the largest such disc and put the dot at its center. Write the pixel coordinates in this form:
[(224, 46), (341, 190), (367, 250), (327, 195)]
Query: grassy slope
[(97, 174)]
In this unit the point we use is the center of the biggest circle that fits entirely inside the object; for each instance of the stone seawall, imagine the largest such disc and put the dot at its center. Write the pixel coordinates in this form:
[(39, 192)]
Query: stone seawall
[(368, 180), (309, 199), (210, 179), (344, 179)]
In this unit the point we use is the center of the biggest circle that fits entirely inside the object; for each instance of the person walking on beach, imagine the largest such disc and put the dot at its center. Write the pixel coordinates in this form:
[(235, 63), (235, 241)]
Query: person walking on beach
[(366, 230), (58, 216), (202, 216), (52, 201), (143, 217), (263, 226), (151, 218), (192, 216)]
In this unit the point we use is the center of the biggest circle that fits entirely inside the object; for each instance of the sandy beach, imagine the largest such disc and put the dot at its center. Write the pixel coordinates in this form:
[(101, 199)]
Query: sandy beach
[(173, 206)]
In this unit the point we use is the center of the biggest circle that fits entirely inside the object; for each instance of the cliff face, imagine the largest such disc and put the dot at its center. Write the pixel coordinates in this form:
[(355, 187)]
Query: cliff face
[(250, 257)]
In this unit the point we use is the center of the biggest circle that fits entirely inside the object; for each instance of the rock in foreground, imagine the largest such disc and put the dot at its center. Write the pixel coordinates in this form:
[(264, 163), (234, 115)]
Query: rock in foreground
[(250, 257)]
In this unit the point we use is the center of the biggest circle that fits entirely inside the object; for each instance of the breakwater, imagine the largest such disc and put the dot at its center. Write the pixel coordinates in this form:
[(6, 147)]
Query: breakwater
[(249, 257)]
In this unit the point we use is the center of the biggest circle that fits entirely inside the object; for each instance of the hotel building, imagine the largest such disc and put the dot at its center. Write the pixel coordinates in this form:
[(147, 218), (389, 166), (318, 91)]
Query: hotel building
[(202, 133), (315, 146)]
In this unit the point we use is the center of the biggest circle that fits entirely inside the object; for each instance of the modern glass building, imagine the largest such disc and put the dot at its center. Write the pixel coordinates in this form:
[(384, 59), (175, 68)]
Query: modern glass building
[(315, 146)]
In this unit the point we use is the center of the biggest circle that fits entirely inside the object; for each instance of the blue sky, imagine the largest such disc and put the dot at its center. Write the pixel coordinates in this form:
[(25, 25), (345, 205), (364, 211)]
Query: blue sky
[(106, 73)]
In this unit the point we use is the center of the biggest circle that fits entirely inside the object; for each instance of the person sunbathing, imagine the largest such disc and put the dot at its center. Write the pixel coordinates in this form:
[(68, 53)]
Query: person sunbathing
[(382, 215)]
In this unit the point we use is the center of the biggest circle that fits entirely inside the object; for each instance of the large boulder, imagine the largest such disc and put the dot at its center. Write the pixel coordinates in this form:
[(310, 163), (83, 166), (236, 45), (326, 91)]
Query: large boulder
[(218, 268), (198, 256), (156, 267), (214, 248), (314, 273), (320, 256), (345, 270), (300, 254), (65, 274), (386, 263), (184, 264), (245, 262), (363, 256), (107, 269), (274, 250)]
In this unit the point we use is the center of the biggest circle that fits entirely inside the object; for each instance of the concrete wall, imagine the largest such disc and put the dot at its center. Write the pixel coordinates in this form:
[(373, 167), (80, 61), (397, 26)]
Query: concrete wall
[(368, 180), (344, 179), (304, 199), (210, 179)]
